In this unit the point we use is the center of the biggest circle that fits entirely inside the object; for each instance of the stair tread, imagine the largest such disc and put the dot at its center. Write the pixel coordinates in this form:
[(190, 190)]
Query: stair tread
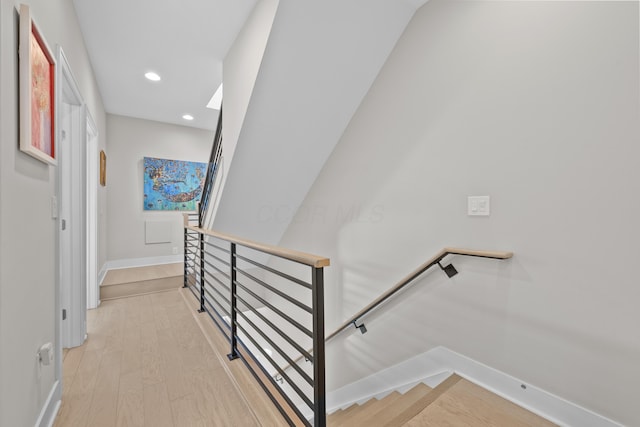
[(364, 417), (421, 403), (348, 418), (411, 396), (140, 274), (384, 413), (467, 404), (345, 411)]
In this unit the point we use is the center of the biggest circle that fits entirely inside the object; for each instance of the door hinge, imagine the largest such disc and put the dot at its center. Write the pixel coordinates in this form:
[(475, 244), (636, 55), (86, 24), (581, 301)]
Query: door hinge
[(64, 314), (63, 224)]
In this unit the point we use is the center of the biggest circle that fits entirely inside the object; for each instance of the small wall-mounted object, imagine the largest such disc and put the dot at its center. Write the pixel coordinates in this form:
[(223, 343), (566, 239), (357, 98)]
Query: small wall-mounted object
[(478, 206), (450, 270), (45, 354), (54, 207), (103, 168), (157, 232)]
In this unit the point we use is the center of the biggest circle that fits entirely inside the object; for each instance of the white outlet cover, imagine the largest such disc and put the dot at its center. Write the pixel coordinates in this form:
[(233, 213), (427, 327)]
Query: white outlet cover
[(478, 205)]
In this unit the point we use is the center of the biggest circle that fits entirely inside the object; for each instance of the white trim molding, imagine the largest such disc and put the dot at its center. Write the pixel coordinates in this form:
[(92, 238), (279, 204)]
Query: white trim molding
[(137, 262), (102, 274), (51, 406), (437, 364)]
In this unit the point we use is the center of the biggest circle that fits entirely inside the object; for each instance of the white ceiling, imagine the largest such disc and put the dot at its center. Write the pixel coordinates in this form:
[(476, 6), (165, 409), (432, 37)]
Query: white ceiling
[(184, 41)]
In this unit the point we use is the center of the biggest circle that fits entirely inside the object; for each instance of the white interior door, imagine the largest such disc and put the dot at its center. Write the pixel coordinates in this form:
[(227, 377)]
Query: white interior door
[(72, 203)]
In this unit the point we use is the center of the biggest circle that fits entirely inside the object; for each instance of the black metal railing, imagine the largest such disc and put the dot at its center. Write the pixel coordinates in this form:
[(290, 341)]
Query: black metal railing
[(273, 319), (212, 171), (269, 304)]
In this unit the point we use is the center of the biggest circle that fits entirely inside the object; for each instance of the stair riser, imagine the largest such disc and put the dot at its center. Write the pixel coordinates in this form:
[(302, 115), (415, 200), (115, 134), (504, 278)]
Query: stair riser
[(124, 290)]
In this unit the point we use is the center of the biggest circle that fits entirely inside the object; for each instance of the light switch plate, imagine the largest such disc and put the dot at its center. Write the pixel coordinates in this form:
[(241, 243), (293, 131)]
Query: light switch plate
[(54, 207), (478, 205)]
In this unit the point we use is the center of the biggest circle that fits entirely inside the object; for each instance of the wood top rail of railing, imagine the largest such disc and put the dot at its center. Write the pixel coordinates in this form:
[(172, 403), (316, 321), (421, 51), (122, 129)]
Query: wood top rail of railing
[(300, 257)]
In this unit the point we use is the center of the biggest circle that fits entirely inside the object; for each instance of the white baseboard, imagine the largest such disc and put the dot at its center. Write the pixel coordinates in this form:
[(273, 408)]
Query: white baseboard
[(138, 262), (51, 407), (437, 364), (101, 275), (536, 400)]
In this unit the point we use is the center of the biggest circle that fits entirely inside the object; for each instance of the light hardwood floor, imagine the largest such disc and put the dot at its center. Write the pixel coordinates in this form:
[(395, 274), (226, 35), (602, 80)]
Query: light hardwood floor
[(456, 402), (147, 363), (465, 404), (151, 360)]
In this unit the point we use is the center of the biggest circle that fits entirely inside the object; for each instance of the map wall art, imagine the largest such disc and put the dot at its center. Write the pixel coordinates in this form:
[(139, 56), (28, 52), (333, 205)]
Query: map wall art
[(172, 185)]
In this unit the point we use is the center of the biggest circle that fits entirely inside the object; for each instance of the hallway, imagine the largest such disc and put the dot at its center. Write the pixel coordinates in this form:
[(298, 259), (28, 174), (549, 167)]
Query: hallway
[(147, 363)]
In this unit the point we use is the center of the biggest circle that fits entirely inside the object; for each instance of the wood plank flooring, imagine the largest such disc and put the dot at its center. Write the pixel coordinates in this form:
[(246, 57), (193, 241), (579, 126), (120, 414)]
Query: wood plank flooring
[(152, 360), (468, 405), (456, 402), (147, 363)]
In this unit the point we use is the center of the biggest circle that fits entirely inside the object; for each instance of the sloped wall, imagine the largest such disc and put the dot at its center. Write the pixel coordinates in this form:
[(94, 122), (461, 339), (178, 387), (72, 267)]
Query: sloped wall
[(240, 70), (532, 103), (319, 62)]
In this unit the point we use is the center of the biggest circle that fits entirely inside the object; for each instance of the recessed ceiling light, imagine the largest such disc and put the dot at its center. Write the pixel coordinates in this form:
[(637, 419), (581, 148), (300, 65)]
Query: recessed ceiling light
[(216, 100), (154, 77), (188, 117)]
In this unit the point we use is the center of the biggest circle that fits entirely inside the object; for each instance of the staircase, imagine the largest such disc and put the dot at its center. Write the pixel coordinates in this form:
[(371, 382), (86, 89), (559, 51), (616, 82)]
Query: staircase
[(126, 282), (455, 402)]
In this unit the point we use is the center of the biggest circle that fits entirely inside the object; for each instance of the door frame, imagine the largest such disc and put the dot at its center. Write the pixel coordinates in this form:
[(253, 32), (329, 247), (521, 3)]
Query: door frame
[(93, 169), (71, 289)]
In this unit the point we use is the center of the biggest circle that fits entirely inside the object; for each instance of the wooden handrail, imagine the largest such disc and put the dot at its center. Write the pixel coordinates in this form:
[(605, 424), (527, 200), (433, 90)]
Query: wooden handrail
[(300, 257), (413, 275), (408, 279)]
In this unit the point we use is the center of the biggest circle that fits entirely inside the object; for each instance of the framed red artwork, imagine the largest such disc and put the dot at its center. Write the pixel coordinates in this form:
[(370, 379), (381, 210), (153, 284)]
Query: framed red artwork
[(37, 91)]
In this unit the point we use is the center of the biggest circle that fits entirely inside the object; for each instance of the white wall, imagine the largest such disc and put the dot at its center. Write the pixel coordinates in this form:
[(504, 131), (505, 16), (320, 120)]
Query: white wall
[(240, 70), (28, 246), (320, 60), (130, 140), (532, 103)]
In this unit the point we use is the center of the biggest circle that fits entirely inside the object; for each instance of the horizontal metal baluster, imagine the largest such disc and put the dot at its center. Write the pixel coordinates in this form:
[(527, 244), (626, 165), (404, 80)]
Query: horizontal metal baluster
[(217, 247), (276, 310), (214, 299), (277, 291), (274, 271), (220, 282), (291, 342), (292, 383)]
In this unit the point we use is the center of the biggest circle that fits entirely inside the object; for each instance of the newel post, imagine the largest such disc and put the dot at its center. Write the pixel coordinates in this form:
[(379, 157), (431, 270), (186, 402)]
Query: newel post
[(319, 389), (234, 305)]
